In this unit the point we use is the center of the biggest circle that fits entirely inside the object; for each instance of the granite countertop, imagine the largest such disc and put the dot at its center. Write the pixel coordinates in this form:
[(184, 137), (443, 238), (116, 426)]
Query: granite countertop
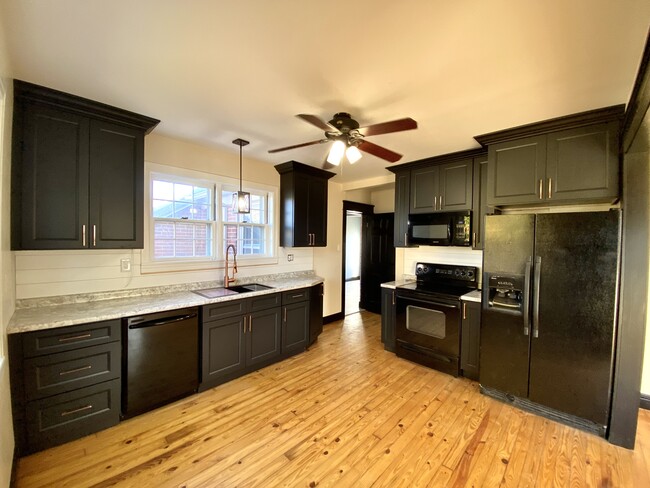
[(472, 296), (53, 312), (396, 283)]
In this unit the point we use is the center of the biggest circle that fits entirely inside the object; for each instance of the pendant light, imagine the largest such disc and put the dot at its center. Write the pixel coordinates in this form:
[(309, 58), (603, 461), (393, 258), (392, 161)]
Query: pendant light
[(241, 200)]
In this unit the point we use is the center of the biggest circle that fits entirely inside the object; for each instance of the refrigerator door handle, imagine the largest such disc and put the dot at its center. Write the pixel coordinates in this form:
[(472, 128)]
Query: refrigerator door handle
[(526, 311), (538, 272)]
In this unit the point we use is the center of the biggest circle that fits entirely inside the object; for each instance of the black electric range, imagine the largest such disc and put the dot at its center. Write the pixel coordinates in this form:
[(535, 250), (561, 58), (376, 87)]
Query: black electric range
[(428, 317)]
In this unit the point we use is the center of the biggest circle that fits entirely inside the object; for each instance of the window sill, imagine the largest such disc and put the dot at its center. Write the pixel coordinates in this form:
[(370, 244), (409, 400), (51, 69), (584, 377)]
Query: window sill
[(179, 266)]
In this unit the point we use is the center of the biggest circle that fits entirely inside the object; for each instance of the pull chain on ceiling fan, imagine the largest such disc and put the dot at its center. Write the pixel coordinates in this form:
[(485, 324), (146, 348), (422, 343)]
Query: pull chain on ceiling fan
[(349, 138)]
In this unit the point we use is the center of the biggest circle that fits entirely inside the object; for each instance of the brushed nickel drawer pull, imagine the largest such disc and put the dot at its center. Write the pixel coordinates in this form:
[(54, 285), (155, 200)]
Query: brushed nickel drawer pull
[(76, 370), (94, 236), (76, 410), (550, 188), (298, 296), (285, 314), (473, 239), (393, 297), (250, 323), (464, 311), (541, 184), (435, 202), (75, 338), (244, 324), (83, 235), (440, 203)]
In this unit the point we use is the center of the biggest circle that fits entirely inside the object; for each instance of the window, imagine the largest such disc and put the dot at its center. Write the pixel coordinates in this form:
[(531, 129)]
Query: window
[(191, 220), (182, 220)]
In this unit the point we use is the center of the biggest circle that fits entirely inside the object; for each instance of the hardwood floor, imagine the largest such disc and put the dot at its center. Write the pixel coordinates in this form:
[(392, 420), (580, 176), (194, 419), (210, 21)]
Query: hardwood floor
[(345, 413)]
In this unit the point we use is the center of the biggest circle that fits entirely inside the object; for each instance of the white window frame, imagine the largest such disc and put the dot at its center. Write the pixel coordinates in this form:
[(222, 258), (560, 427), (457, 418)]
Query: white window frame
[(181, 175)]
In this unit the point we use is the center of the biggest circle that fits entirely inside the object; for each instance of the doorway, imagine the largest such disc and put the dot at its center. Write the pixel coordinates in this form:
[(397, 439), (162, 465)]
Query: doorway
[(353, 246)]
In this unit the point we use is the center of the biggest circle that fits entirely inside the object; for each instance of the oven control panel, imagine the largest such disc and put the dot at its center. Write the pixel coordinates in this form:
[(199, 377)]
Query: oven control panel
[(445, 272)]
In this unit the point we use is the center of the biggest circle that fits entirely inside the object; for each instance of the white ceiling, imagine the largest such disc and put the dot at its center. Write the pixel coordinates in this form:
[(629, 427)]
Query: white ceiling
[(216, 70)]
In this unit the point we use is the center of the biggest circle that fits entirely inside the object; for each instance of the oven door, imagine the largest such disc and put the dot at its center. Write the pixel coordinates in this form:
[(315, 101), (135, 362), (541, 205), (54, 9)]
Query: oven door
[(428, 330)]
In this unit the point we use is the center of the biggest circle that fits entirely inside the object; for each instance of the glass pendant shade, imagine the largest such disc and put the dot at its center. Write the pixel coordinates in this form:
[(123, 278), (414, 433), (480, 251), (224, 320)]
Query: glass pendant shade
[(241, 202), (353, 154), (336, 153)]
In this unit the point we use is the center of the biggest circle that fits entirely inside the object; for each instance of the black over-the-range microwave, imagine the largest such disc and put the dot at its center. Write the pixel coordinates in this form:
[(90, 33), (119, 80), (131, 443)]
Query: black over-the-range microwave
[(440, 229)]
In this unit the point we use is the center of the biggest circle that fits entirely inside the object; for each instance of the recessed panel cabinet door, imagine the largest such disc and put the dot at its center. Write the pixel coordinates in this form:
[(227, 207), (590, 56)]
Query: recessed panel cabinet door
[(54, 179), (263, 336), (295, 327), (583, 163), (224, 348), (516, 171), (318, 211), (455, 191), (425, 189), (402, 185), (117, 185)]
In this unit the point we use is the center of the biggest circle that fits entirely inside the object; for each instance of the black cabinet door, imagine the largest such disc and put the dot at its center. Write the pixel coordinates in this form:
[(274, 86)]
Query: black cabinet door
[(425, 191), (298, 221), (470, 339), (317, 204), (53, 208), (402, 202), (224, 349), (377, 259), (583, 163), (295, 327), (516, 171), (315, 312), (263, 336), (479, 204), (388, 318), (116, 186), (455, 190)]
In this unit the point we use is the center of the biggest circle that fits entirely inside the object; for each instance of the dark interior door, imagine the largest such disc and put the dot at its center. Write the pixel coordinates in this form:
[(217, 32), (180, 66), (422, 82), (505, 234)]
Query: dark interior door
[(571, 359), (377, 258)]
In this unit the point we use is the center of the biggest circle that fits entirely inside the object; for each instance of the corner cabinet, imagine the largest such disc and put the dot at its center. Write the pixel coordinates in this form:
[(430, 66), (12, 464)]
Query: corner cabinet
[(303, 205), (536, 165), (77, 172)]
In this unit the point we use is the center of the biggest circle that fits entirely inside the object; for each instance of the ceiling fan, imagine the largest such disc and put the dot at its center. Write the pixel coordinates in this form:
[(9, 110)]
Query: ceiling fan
[(349, 138)]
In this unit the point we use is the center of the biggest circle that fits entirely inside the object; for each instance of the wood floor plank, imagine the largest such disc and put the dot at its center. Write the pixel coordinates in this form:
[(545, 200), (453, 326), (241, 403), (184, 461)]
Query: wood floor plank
[(382, 421)]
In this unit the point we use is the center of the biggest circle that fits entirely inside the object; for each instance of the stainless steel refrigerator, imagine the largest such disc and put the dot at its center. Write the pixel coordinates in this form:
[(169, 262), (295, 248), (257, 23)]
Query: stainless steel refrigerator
[(548, 326)]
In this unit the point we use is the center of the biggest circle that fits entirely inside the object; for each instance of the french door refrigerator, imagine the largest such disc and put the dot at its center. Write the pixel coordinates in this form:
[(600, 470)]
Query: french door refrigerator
[(548, 326)]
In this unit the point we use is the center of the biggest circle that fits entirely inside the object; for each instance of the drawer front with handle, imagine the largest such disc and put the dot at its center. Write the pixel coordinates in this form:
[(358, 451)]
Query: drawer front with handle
[(295, 296), (66, 371), (61, 418), (265, 301), (69, 338), (226, 309)]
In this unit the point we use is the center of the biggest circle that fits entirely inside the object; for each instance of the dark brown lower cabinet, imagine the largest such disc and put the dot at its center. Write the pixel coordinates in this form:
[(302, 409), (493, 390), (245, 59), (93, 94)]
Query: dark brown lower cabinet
[(470, 339), (224, 348), (295, 327), (315, 312), (388, 318), (263, 336), (65, 383)]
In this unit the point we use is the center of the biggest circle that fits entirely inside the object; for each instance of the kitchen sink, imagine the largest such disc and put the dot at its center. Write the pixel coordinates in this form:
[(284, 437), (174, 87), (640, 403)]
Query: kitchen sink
[(233, 290), (248, 288)]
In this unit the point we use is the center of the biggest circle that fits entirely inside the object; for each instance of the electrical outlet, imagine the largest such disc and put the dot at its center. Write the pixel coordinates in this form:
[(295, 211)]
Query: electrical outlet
[(289, 257), (125, 265)]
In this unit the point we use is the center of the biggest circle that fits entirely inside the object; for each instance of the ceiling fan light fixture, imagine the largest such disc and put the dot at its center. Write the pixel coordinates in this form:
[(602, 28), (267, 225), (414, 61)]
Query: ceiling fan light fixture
[(336, 153), (241, 200), (353, 154)]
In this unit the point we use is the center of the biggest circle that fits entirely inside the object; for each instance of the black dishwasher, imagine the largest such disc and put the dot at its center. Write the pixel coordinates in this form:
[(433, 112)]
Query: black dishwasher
[(160, 359)]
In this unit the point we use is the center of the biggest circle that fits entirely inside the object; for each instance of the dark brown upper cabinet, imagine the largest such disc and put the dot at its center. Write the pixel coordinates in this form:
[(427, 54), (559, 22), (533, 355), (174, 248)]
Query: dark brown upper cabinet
[(442, 187), (573, 159), (303, 205), (77, 172), (480, 207)]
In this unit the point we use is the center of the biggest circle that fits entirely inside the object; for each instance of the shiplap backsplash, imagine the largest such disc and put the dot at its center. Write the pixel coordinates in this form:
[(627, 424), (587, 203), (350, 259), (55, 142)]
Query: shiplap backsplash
[(53, 273), (440, 254)]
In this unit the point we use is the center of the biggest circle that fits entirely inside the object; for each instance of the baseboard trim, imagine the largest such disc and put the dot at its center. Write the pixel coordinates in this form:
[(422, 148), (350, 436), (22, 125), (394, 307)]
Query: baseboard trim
[(333, 318), (645, 402)]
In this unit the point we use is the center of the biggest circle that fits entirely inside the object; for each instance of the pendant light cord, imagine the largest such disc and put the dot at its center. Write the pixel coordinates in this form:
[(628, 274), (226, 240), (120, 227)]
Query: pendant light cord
[(240, 168)]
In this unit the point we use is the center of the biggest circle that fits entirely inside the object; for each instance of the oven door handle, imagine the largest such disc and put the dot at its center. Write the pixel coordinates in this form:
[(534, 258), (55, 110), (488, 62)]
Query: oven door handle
[(429, 303)]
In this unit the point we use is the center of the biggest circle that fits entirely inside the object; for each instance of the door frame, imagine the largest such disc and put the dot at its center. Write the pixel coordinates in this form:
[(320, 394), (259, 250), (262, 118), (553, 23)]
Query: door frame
[(364, 209)]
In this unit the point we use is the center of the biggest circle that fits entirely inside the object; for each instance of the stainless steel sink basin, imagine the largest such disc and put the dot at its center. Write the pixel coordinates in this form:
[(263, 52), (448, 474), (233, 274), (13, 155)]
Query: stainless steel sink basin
[(250, 287), (233, 290)]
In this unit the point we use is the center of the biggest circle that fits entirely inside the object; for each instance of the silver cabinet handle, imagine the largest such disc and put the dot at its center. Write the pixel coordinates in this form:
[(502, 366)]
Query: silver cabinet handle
[(541, 183), (76, 410), (538, 272), (393, 297), (464, 311), (285, 314), (244, 324), (550, 188), (435, 202), (94, 235), (526, 310), (76, 370), (83, 235), (250, 323), (473, 239), (75, 338), (405, 239), (440, 202)]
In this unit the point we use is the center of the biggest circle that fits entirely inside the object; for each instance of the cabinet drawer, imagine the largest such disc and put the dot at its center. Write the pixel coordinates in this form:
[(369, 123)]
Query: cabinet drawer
[(265, 301), (223, 310), (69, 338), (66, 371), (62, 418), (295, 296)]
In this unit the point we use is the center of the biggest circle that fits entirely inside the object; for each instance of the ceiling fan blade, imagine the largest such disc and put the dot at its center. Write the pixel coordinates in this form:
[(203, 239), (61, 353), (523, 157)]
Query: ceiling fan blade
[(319, 141), (386, 127), (317, 121), (380, 152)]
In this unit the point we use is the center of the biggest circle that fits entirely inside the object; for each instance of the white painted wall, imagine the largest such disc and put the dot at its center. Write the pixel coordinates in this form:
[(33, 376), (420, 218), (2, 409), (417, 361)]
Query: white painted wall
[(7, 272), (353, 246), (383, 200)]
